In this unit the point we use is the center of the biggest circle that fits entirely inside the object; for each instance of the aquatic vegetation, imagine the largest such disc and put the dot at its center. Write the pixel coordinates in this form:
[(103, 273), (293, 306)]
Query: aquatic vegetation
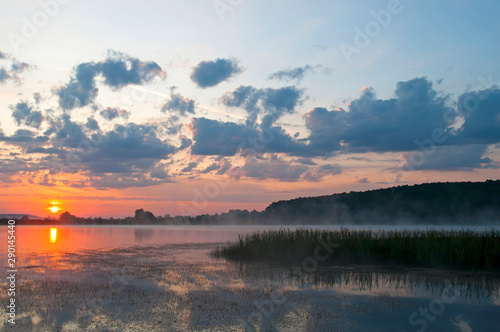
[(431, 248)]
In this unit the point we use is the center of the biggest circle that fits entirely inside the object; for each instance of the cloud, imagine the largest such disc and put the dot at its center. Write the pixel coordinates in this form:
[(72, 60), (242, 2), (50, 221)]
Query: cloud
[(111, 113), (380, 125), (120, 181), (185, 142), (129, 155), (4, 75), (211, 168), (224, 167), (271, 103), (15, 165), (159, 173), (189, 167), (24, 114), (305, 161), (23, 137), (127, 148), (292, 74), (212, 137), (68, 134), (118, 70), (298, 73), (81, 89), (275, 139), (45, 150), (92, 124), (130, 150), (211, 73), (16, 68), (319, 173), (449, 158), (408, 122), (19, 67), (481, 110), (178, 104), (274, 168)]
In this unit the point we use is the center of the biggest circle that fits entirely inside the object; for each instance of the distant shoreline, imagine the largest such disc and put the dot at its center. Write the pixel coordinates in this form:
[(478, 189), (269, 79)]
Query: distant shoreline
[(441, 203)]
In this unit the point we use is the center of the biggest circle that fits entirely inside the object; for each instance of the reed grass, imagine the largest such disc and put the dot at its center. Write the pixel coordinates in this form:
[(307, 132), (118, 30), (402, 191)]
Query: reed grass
[(430, 248)]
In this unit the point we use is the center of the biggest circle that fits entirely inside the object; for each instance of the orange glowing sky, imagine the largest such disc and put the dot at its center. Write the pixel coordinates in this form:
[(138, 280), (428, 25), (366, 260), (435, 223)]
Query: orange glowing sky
[(223, 115)]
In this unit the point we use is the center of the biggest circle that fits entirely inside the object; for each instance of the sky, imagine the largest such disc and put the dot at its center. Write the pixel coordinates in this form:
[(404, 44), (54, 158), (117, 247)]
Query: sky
[(203, 106)]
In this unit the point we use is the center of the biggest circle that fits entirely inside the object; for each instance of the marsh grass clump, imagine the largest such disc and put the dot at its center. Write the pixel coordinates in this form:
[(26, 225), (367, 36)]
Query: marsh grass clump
[(430, 248)]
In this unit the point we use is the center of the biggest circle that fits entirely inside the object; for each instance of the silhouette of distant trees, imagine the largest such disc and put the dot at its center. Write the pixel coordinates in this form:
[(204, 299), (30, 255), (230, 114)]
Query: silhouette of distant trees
[(142, 216), (428, 203), (67, 218)]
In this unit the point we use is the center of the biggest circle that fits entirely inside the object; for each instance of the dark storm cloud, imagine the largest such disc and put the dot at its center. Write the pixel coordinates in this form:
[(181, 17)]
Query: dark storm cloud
[(210, 73), (118, 70), (111, 113), (271, 103), (450, 158), (24, 114), (178, 104)]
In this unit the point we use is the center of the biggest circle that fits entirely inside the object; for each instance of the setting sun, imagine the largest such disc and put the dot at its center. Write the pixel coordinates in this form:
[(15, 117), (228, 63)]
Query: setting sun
[(54, 209)]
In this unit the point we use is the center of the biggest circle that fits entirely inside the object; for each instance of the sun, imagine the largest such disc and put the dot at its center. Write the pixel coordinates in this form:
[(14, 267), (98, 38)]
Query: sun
[(53, 209)]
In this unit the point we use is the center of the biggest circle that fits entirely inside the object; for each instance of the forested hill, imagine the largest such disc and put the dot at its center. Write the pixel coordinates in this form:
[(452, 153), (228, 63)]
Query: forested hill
[(462, 203), (430, 203)]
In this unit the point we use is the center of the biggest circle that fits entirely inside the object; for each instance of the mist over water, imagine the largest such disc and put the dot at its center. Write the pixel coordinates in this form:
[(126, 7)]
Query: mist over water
[(123, 276)]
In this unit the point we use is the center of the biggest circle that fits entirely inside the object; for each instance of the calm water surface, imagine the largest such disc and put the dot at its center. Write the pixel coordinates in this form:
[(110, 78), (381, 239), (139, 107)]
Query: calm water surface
[(86, 278)]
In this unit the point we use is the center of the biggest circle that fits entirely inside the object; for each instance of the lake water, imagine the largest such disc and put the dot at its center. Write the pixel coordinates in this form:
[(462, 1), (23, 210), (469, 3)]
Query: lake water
[(161, 278)]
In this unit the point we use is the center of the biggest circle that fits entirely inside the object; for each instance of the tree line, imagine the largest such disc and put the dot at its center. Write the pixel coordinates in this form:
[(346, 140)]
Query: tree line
[(429, 203)]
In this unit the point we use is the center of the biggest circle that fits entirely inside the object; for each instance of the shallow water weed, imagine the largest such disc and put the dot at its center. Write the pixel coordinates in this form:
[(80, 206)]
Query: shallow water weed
[(454, 249)]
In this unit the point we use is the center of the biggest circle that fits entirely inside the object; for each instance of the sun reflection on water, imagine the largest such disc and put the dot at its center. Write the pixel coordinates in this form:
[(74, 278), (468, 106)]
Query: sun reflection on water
[(53, 235)]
